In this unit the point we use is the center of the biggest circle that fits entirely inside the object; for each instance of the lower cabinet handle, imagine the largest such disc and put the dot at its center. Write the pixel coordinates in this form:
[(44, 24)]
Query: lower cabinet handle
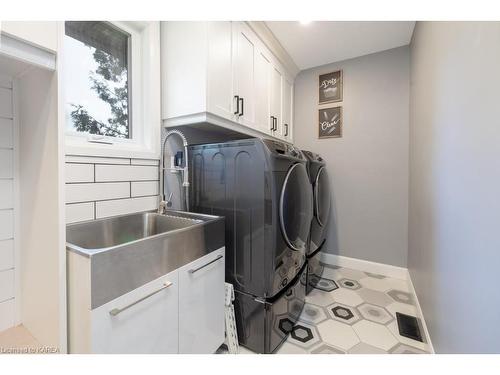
[(116, 311), (272, 123), (286, 130), (237, 112), (199, 268), (275, 124), (242, 106)]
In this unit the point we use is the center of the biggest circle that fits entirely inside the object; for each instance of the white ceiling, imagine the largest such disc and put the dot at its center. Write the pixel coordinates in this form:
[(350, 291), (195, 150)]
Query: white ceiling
[(322, 42)]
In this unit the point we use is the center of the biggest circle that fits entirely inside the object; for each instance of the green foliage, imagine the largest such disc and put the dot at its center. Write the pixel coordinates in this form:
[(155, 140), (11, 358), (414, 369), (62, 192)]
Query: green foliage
[(109, 69)]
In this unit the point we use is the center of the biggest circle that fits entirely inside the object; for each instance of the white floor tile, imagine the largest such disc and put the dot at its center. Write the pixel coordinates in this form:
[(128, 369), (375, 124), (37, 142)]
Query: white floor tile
[(375, 334), (338, 334)]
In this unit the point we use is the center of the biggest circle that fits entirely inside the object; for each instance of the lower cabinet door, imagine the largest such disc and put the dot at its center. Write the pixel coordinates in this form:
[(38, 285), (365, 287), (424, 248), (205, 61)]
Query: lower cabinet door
[(144, 320), (201, 304)]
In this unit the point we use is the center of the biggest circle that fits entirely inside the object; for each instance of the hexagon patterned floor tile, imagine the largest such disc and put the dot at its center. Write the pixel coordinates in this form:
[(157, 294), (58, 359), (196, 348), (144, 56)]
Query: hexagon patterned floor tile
[(375, 297), (343, 313), (312, 314), (349, 284), (374, 313), (358, 317), (304, 335), (401, 296)]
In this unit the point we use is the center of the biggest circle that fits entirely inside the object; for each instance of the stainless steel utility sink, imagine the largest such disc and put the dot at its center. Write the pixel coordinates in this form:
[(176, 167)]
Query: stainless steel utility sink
[(94, 236), (131, 250)]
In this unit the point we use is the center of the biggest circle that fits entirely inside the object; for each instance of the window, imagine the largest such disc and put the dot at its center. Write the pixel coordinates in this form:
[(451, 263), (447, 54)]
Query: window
[(97, 88)]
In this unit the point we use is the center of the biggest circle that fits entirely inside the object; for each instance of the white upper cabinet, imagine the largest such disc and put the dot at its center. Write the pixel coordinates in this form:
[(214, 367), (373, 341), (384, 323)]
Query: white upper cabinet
[(220, 69), (39, 33), (263, 89), (276, 98), (223, 69), (287, 107), (245, 50)]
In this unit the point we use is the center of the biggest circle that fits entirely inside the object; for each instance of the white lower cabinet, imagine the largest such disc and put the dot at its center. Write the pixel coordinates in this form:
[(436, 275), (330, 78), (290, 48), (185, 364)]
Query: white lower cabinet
[(142, 321), (180, 312), (201, 304)]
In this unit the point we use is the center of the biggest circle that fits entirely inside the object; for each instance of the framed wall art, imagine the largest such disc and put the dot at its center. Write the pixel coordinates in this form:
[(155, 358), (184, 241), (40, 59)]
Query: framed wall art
[(330, 122), (330, 87)]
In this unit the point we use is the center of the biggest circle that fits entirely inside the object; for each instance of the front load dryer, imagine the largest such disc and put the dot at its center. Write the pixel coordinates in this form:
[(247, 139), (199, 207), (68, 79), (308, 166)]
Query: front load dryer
[(319, 226)]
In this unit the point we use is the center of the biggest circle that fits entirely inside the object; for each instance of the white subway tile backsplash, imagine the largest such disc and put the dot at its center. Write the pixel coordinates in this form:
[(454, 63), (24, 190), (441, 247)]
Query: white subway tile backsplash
[(105, 173), (6, 254), (5, 102), (79, 172), (6, 194), (95, 160), (6, 314), (6, 224), (79, 212), (145, 162), (142, 188), (98, 187), (6, 133), (125, 206), (6, 285), (6, 166), (96, 191)]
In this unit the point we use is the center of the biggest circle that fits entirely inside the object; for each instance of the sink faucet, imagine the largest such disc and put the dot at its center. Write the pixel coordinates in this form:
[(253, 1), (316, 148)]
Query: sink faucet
[(185, 173)]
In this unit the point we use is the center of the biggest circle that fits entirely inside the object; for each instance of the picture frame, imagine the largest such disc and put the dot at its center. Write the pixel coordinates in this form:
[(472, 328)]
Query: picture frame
[(330, 122), (330, 87)]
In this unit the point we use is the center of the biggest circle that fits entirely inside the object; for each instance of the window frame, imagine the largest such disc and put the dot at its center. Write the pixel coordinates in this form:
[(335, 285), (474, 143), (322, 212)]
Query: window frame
[(144, 99)]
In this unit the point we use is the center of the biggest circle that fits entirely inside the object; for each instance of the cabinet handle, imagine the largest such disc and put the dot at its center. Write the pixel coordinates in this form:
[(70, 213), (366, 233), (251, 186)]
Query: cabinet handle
[(199, 268), (272, 123), (116, 311), (286, 130), (275, 127), (242, 102), (237, 97)]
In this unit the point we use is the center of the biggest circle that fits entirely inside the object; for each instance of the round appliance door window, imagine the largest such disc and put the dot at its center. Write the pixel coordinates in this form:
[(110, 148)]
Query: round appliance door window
[(322, 197), (296, 207)]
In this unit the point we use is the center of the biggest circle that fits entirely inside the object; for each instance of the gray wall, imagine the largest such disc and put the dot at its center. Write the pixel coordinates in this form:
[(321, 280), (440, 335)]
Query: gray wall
[(368, 166), (454, 247)]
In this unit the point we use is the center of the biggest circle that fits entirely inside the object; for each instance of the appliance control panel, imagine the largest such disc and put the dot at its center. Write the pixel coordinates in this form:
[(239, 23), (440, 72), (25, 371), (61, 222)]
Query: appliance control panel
[(283, 148)]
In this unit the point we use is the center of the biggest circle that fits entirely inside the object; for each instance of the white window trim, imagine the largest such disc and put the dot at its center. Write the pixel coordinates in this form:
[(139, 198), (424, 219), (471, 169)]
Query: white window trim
[(145, 99)]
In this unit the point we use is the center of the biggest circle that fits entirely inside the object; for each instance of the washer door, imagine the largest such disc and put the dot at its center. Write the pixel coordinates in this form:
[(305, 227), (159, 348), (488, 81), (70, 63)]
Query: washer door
[(296, 207), (322, 199)]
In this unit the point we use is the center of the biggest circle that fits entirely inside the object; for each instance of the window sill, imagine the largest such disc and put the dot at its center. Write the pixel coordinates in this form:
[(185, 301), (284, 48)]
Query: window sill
[(116, 151)]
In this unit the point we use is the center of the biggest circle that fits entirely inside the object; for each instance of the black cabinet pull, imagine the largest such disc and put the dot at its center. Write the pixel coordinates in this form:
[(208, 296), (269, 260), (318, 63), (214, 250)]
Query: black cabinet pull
[(272, 123), (275, 124), (286, 130), (242, 102), (237, 97)]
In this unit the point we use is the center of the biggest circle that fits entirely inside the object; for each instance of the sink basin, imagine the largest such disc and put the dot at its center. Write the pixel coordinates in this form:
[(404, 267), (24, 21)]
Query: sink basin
[(128, 251), (96, 235)]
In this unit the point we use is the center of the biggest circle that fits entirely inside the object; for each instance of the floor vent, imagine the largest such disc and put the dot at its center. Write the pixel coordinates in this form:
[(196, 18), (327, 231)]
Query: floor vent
[(408, 327)]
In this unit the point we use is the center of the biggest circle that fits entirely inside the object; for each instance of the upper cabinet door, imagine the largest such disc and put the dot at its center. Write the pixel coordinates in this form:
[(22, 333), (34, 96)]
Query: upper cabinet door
[(244, 77), (220, 69), (276, 93), (287, 128), (263, 93)]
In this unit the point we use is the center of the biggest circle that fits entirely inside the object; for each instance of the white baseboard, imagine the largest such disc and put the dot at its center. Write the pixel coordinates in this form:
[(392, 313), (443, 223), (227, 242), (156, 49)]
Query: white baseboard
[(365, 265), (420, 314)]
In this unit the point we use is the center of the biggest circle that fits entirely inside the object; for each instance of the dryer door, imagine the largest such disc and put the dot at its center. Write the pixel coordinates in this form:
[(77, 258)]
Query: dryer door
[(322, 197), (296, 207)]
